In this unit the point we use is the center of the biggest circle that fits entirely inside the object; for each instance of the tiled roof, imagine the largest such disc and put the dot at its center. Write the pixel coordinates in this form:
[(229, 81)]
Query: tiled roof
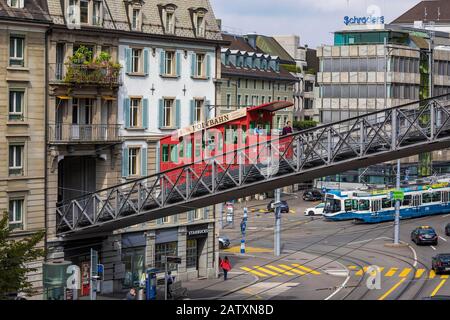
[(271, 46), (33, 10), (238, 43), (433, 8), (115, 17)]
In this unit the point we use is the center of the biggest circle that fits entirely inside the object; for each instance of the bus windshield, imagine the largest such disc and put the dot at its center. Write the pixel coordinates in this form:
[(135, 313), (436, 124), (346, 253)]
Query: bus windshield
[(332, 206)]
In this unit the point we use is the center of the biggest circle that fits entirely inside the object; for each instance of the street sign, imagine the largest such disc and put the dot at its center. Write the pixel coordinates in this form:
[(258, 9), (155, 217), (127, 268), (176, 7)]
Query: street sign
[(397, 195)]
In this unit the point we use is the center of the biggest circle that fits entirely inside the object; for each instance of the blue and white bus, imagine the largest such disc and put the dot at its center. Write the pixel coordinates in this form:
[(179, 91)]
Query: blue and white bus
[(378, 206)]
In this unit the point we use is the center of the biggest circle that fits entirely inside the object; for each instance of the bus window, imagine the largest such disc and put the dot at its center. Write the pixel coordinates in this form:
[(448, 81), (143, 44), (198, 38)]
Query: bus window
[(445, 196), (386, 203), (376, 205), (174, 154), (355, 204), (332, 206), (363, 205), (348, 205), (407, 200), (436, 196), (426, 197), (165, 153)]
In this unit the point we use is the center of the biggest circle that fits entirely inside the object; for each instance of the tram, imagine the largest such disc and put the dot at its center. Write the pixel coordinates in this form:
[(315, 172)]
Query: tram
[(419, 201), (219, 137)]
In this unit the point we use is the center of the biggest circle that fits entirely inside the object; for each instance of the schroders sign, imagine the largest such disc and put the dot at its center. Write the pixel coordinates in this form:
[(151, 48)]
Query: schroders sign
[(363, 20)]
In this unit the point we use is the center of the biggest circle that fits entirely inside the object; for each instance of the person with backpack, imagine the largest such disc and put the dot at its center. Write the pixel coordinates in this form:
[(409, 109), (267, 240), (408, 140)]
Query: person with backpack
[(226, 267)]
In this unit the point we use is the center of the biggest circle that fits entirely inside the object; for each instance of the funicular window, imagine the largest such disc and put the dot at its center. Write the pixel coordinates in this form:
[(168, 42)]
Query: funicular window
[(426, 197), (165, 153), (363, 205), (188, 149), (436, 196), (244, 134), (198, 147), (174, 153), (386, 203), (181, 149), (348, 204), (407, 200)]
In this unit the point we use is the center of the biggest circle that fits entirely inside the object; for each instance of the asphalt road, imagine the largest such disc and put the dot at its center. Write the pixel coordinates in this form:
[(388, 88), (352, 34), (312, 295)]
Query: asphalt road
[(329, 260)]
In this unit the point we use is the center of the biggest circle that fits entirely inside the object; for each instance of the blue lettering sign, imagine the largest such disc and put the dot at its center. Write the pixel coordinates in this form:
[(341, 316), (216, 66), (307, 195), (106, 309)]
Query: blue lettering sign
[(363, 20)]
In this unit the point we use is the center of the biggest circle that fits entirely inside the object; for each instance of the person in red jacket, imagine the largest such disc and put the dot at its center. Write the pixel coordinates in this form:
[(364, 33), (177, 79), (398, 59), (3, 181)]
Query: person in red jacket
[(226, 267)]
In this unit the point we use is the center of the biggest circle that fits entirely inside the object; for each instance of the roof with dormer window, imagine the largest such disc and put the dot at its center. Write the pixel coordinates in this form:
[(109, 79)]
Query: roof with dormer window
[(33, 11)]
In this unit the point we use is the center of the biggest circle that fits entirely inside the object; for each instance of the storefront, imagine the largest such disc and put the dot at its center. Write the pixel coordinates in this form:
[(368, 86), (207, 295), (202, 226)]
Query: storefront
[(197, 250), (133, 258), (166, 244)]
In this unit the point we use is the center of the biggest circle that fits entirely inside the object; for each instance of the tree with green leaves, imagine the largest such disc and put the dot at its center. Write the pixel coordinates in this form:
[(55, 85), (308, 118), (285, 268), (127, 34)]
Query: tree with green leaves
[(15, 255)]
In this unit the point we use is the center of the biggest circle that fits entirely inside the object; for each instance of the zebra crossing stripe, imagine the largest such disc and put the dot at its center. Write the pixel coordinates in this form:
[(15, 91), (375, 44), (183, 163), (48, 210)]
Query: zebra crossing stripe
[(419, 273), (281, 270), (405, 273), (306, 269), (292, 269), (266, 270), (259, 274), (432, 274), (391, 272), (361, 271)]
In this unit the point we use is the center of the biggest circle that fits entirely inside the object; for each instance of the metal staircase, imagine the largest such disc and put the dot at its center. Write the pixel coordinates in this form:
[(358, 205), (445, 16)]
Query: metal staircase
[(349, 144)]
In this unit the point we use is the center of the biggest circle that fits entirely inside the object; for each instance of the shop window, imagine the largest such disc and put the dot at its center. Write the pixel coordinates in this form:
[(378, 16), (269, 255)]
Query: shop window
[(133, 259), (191, 253), (165, 249)]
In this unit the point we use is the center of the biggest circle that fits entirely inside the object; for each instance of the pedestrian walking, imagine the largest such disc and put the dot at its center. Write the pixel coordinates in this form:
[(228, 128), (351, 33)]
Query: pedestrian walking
[(226, 267), (170, 280)]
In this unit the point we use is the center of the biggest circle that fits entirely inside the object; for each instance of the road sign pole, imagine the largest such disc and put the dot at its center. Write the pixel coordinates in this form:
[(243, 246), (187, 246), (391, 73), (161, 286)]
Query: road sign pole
[(277, 229), (243, 229), (165, 278), (397, 209)]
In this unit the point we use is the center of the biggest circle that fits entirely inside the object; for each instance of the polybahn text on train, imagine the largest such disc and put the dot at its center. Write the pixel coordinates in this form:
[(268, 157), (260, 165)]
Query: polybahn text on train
[(378, 206), (248, 129)]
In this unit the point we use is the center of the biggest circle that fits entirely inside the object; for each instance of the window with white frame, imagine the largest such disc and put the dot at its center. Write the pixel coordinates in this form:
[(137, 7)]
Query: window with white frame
[(198, 214), (228, 101), (263, 100), (135, 112), (246, 100), (97, 13), (136, 19), (200, 24), (136, 58), (16, 50), (18, 4), (16, 104), (16, 213), (199, 106), (165, 219), (134, 161), (168, 113), (238, 100), (169, 62), (84, 11), (16, 159), (200, 65), (170, 20)]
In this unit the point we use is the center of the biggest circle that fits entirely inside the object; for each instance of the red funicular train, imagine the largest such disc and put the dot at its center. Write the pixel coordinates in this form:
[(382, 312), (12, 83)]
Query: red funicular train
[(220, 136)]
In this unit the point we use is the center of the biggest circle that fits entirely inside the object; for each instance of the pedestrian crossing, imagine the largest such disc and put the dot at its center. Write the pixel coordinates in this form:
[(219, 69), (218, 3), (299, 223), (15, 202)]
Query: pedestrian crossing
[(398, 272), (293, 269)]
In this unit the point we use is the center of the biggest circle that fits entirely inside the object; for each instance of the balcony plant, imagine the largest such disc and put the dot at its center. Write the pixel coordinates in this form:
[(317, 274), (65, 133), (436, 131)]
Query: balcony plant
[(82, 68), (305, 124)]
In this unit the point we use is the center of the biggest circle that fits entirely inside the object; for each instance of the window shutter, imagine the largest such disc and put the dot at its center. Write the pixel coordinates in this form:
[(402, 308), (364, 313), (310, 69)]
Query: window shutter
[(128, 59), (178, 62), (162, 68), (208, 66), (191, 216), (126, 112), (145, 113), (146, 62), (125, 162), (144, 162), (193, 65), (178, 113), (161, 113), (192, 120)]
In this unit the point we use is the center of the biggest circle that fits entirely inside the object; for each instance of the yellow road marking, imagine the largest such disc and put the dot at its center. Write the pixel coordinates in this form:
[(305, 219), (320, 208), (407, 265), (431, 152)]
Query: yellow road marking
[(384, 296), (259, 274), (281, 270), (292, 269), (405, 273), (291, 211), (391, 272), (352, 267), (444, 276), (432, 274), (266, 271), (374, 272), (306, 269), (237, 249), (361, 271), (419, 272), (438, 287)]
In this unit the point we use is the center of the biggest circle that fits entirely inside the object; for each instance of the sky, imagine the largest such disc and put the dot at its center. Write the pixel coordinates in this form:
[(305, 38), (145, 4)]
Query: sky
[(313, 20)]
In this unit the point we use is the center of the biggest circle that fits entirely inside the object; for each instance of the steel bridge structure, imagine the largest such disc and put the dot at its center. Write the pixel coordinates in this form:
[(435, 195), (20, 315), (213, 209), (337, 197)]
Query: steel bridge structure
[(358, 142)]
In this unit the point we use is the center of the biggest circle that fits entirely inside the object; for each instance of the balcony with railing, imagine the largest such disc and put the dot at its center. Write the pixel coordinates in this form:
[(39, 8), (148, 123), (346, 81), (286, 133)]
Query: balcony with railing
[(62, 133)]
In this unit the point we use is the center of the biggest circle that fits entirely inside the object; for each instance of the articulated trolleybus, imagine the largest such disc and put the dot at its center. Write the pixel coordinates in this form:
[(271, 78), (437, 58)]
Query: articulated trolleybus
[(419, 201)]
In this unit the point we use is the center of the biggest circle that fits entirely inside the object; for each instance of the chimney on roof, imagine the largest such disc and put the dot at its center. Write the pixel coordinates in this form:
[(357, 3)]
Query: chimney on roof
[(251, 39)]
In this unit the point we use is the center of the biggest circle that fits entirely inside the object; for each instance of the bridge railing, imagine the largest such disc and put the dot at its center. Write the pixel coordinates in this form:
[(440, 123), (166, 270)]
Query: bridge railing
[(384, 131)]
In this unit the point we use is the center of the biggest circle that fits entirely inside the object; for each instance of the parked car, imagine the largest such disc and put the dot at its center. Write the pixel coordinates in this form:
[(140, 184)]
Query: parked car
[(441, 263), (284, 206), (312, 195), (315, 211), (224, 242), (447, 230), (424, 235)]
